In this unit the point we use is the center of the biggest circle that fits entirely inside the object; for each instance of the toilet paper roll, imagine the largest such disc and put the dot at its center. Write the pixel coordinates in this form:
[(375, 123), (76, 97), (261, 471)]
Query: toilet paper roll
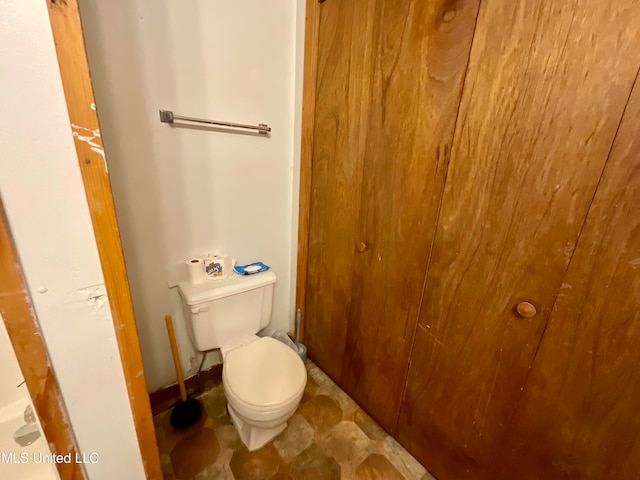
[(218, 266), (214, 266), (195, 270)]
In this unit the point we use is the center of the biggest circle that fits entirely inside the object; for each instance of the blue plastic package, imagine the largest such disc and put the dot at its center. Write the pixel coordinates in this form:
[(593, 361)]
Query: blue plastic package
[(250, 269)]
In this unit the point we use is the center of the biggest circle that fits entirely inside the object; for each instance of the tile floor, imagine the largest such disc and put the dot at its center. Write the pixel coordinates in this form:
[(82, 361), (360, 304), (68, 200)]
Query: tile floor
[(329, 437)]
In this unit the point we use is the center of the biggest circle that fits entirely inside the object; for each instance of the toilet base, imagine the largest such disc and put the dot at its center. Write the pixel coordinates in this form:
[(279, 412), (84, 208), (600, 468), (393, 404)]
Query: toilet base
[(254, 437)]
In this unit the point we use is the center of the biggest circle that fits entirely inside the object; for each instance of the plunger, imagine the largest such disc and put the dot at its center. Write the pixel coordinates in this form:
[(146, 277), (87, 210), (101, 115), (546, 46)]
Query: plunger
[(188, 410)]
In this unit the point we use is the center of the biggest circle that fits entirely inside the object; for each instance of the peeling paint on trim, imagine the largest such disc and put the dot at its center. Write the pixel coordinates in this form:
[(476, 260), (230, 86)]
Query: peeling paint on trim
[(92, 138)]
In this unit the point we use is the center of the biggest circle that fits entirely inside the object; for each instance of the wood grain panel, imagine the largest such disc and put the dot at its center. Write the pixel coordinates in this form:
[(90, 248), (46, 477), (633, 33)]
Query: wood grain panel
[(31, 352), (312, 18), (546, 88), (76, 81), (342, 87), (420, 53), (578, 417)]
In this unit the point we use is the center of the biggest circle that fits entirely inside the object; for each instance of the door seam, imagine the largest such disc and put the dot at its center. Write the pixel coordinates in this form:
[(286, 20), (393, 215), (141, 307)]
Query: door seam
[(447, 159), (564, 276)]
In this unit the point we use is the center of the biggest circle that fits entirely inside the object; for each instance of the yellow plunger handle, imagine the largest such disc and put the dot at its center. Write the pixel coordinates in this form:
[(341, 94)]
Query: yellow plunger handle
[(176, 356)]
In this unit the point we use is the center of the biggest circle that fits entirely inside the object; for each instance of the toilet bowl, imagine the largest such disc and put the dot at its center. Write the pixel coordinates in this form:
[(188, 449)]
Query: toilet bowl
[(263, 379), (263, 382)]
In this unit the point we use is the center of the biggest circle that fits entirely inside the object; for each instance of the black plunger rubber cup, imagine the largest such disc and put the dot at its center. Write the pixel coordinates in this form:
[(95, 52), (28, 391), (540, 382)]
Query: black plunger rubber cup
[(186, 414)]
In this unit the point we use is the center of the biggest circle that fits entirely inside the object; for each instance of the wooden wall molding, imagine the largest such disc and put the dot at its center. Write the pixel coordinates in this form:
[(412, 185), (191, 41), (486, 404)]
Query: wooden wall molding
[(312, 21), (76, 81), (25, 336), (166, 397)]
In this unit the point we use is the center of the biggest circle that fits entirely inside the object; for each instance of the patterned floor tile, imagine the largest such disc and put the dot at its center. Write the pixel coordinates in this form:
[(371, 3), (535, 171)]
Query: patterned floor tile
[(318, 376), (310, 390), (368, 425), (347, 404), (402, 460), (347, 443), (297, 437), (194, 453), (377, 467), (281, 476), (259, 465), (329, 438), (215, 472), (315, 463), (167, 469), (169, 436), (228, 436), (322, 413), (215, 402)]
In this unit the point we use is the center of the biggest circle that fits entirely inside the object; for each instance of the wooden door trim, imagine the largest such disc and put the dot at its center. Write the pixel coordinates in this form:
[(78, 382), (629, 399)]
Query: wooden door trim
[(26, 338), (312, 20), (76, 81)]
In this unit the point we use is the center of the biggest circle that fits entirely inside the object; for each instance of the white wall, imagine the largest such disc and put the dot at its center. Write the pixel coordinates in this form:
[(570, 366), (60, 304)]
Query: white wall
[(297, 142), (43, 194), (180, 192)]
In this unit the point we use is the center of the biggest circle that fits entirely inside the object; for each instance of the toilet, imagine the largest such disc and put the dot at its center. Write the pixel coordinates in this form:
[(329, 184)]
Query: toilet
[(263, 379)]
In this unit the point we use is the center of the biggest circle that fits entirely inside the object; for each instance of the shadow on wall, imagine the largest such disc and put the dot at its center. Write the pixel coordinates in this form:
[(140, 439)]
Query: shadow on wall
[(136, 166), (181, 191)]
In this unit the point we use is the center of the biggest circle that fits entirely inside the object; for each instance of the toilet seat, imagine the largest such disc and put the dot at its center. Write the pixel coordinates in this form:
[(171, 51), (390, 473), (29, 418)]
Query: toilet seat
[(264, 376)]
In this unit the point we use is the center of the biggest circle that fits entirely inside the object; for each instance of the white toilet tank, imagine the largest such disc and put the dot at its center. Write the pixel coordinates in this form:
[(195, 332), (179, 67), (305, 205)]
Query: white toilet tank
[(222, 312)]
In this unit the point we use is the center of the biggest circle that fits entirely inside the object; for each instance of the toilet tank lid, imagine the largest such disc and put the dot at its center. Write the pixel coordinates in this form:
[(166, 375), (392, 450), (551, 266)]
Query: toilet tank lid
[(207, 290)]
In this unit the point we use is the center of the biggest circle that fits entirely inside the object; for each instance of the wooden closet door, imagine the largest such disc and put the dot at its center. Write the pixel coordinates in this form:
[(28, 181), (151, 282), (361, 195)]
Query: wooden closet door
[(579, 414), (546, 88), (388, 88), (342, 87)]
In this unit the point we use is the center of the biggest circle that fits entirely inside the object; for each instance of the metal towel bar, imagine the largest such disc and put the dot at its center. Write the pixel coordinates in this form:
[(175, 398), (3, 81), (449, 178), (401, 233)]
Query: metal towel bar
[(167, 116)]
